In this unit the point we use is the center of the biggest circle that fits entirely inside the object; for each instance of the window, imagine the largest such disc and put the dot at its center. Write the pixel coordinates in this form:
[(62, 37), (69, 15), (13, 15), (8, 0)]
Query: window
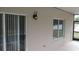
[(76, 28), (1, 33), (58, 28), (55, 28), (12, 32)]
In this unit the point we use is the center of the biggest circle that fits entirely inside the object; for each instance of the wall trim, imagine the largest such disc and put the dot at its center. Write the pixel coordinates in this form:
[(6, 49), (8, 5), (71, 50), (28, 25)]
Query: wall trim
[(63, 10)]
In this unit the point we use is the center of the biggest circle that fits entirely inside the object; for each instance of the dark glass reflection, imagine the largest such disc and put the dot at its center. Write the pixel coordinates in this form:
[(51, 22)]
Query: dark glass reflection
[(1, 33), (55, 28), (22, 32), (60, 28), (11, 32)]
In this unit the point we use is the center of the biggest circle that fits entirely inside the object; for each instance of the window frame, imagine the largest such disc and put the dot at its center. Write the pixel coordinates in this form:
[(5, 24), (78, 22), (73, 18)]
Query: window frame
[(63, 29)]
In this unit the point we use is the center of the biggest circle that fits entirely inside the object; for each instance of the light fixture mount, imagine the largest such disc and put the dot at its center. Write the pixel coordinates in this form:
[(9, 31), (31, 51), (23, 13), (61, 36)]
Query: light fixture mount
[(35, 16)]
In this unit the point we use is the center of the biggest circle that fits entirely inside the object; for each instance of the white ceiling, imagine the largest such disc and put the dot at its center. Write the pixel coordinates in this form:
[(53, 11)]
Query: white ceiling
[(73, 10)]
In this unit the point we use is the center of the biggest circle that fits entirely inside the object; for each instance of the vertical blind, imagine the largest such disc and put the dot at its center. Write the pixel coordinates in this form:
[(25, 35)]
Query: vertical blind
[(14, 32)]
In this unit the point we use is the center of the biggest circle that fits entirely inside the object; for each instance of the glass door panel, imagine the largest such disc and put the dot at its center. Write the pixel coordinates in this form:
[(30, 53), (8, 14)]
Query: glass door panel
[(22, 32), (1, 32), (11, 25)]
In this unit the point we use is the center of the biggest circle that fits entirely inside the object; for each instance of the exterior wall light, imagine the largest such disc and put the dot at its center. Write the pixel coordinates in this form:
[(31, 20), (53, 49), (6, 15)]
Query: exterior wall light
[(35, 16)]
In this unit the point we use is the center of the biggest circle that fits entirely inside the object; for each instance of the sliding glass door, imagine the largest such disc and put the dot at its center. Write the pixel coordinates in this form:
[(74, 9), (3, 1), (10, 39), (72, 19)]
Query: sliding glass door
[(11, 27), (13, 38)]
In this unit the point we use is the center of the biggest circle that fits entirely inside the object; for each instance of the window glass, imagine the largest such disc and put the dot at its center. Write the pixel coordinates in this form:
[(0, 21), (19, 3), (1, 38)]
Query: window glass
[(22, 32), (1, 33), (11, 32), (60, 28), (76, 27), (55, 28), (76, 18), (15, 41)]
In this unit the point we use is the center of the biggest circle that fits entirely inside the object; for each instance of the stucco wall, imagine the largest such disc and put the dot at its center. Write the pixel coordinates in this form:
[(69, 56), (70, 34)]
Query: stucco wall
[(40, 32)]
